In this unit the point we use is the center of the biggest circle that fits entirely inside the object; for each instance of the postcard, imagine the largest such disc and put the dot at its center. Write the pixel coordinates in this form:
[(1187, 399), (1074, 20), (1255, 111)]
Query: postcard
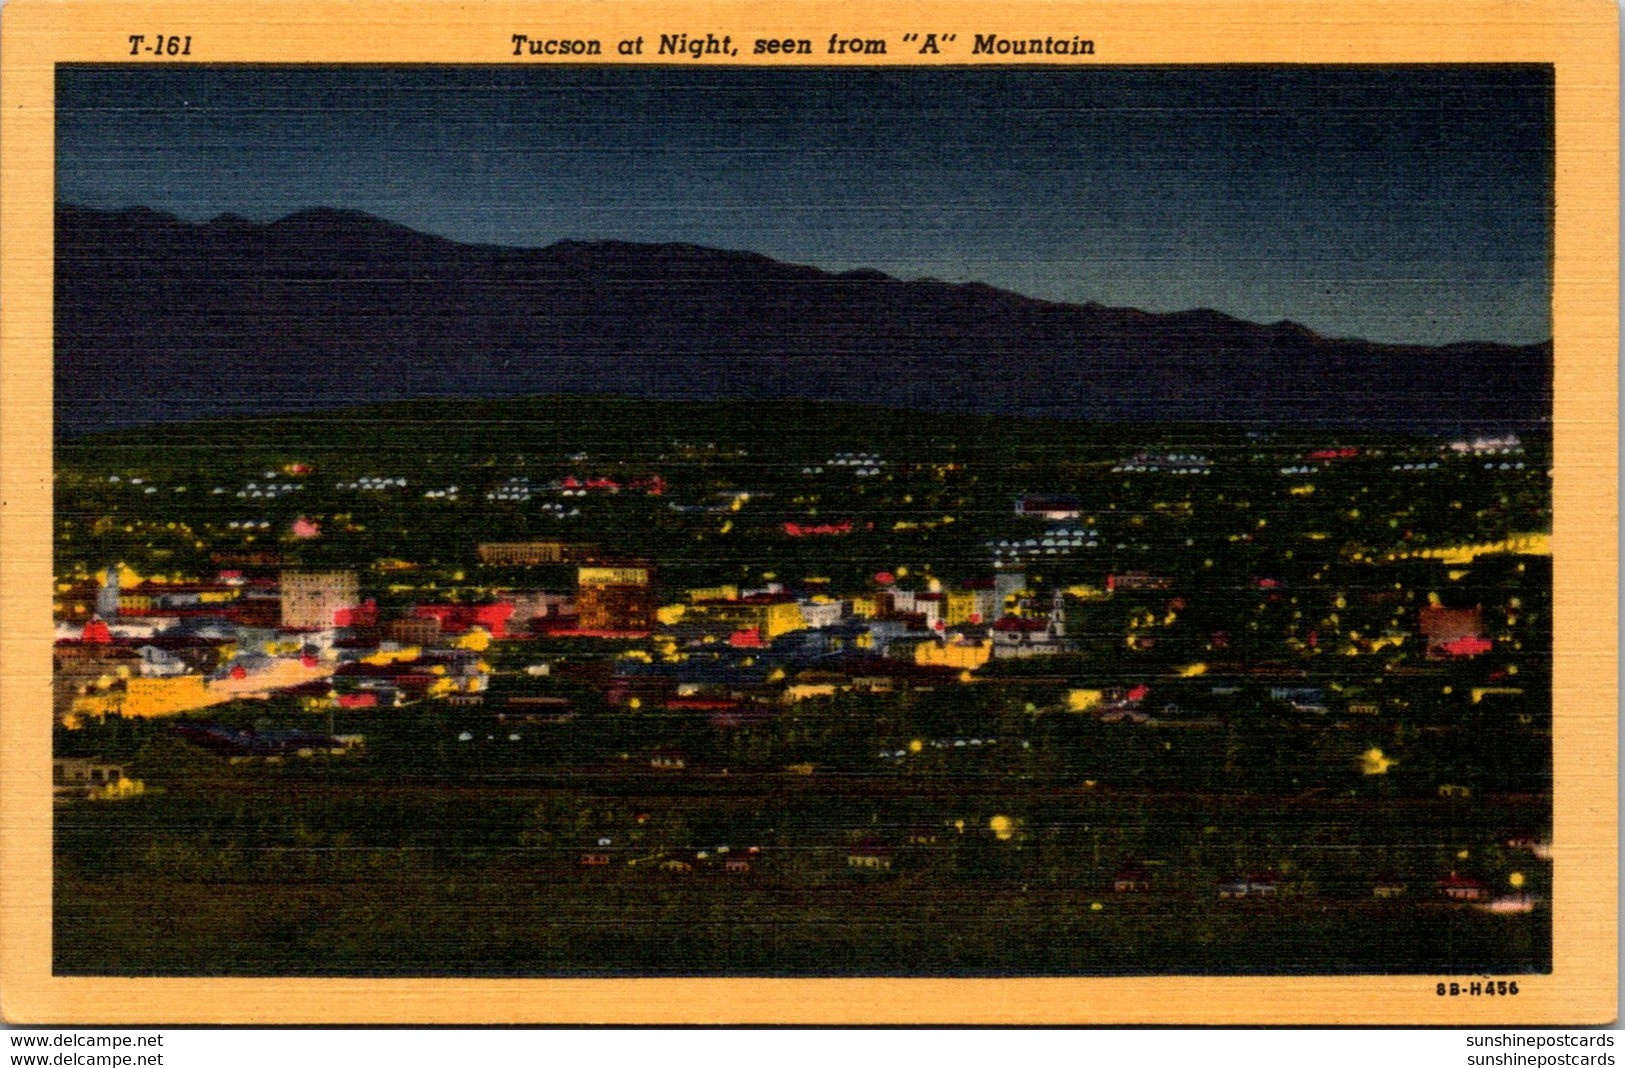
[(809, 513)]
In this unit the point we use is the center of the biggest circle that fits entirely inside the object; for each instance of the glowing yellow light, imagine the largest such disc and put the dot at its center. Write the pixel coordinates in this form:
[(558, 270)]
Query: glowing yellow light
[(1095, 906), (959, 825), (1003, 828), (915, 746), (634, 703), (1462, 855), (1373, 762), (1515, 879), (1084, 700)]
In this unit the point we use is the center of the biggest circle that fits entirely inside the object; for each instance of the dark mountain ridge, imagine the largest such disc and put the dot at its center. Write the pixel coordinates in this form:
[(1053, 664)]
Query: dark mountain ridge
[(158, 319)]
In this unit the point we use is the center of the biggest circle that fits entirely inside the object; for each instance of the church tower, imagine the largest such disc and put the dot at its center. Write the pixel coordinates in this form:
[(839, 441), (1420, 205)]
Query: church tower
[(1057, 615), (107, 596)]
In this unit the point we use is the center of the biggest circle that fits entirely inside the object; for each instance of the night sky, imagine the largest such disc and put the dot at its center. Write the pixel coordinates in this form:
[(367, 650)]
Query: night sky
[(1400, 204)]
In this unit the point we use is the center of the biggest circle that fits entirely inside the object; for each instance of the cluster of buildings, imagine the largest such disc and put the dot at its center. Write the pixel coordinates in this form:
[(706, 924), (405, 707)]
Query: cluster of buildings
[(149, 649), (142, 648), (735, 655), (732, 652)]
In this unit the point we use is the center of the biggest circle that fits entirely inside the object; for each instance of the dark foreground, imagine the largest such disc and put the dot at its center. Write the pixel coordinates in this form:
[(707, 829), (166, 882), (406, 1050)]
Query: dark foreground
[(290, 880)]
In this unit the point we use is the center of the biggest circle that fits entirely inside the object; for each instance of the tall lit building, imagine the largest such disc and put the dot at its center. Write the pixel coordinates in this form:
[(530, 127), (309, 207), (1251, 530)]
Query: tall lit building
[(618, 597), (311, 599), (107, 596)]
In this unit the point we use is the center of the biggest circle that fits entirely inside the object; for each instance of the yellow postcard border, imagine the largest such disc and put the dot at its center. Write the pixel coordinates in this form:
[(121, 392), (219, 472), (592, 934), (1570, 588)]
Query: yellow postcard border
[(1579, 37)]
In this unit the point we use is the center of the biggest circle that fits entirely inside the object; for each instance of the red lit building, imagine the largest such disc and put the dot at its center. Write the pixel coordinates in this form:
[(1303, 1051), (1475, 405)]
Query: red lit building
[(493, 616), (1462, 888), (364, 614), (807, 530), (1453, 632)]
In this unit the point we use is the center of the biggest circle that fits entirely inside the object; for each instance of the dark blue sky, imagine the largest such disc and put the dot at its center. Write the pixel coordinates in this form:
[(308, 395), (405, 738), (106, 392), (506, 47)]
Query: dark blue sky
[(1394, 203)]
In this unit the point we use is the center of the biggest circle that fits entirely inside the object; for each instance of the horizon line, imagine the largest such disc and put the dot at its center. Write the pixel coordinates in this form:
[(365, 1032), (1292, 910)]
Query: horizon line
[(1287, 322)]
